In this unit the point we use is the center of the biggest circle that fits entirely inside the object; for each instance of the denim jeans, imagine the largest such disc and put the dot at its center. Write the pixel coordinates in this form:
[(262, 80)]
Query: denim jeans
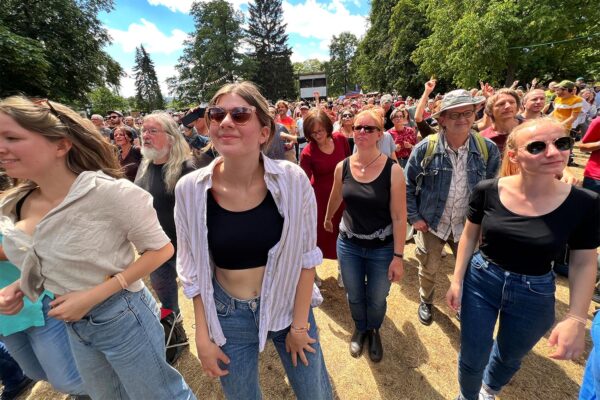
[(525, 307), (119, 347), (591, 184), (164, 283), (239, 320), (44, 354), (367, 300), (10, 372)]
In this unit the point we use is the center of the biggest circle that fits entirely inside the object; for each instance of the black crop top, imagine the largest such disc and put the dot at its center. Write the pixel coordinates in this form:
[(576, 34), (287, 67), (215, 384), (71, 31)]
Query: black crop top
[(527, 245), (242, 240)]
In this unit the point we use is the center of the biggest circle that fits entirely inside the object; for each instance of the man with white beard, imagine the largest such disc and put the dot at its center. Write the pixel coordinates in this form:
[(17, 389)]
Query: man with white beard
[(166, 159)]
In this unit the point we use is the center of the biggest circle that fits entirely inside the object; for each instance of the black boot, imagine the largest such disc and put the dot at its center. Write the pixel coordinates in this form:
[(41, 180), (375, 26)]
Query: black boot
[(375, 346), (356, 343), (425, 313)]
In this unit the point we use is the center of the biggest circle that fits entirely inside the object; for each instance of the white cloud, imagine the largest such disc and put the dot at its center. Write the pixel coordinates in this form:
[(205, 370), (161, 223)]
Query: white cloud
[(150, 36), (184, 6)]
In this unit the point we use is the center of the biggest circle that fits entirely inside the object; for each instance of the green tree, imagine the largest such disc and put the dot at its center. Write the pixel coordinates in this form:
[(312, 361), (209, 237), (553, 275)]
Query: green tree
[(147, 89), (211, 57), (311, 65), (273, 71), (103, 99), (55, 48), (491, 40), (340, 74)]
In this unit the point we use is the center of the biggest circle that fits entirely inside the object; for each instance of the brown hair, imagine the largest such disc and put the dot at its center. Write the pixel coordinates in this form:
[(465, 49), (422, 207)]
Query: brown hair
[(250, 93), (127, 130), (508, 168), (55, 121), (491, 101), (316, 117)]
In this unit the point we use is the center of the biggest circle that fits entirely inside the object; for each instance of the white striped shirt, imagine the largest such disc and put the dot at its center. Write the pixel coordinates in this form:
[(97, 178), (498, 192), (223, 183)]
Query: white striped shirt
[(296, 249)]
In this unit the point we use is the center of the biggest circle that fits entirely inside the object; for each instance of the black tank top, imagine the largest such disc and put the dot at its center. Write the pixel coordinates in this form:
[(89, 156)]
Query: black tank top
[(367, 204), (242, 240)]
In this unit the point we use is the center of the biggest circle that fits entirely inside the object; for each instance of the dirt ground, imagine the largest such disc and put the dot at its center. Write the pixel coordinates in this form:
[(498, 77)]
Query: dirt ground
[(419, 362)]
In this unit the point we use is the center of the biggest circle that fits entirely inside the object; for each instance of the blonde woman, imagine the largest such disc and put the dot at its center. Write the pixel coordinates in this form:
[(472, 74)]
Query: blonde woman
[(372, 231), (523, 220)]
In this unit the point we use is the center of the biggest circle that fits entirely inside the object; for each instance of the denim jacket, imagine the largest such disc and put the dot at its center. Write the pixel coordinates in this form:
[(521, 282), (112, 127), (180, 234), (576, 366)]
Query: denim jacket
[(427, 202)]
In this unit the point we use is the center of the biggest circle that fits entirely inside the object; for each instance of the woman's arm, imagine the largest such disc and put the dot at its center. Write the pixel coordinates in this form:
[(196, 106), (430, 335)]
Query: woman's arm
[(398, 213), (208, 352), (569, 334), (429, 86), (75, 305), (298, 340), (335, 197), (466, 246)]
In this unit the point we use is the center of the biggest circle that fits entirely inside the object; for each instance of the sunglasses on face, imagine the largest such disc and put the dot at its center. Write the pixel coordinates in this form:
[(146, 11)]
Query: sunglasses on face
[(457, 115), (564, 143), (239, 115), (113, 117), (347, 116), (367, 128)]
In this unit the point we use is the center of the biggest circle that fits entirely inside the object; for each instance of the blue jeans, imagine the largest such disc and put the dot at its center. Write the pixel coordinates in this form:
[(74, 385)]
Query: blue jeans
[(591, 184), (525, 306), (590, 387), (239, 320), (10, 372), (119, 347), (45, 354), (367, 301), (164, 283)]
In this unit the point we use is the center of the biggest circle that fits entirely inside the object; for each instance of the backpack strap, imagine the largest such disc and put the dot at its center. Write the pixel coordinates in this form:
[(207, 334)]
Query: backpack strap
[(432, 141), (481, 146)]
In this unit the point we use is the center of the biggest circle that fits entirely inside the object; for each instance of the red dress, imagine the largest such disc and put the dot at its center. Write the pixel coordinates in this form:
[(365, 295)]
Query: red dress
[(320, 168)]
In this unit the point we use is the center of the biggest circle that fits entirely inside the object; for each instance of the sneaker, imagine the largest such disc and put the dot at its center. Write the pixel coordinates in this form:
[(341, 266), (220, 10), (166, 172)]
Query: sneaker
[(17, 390), (425, 313), (340, 282), (485, 395)]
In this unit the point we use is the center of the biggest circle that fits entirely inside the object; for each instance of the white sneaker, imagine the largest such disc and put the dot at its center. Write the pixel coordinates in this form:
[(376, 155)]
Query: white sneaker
[(485, 395)]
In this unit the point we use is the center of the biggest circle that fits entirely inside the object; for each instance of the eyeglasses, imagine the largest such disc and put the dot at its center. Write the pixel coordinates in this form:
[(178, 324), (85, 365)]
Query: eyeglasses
[(367, 128), (564, 143), (113, 117), (457, 115), (240, 115), (398, 116), (347, 116)]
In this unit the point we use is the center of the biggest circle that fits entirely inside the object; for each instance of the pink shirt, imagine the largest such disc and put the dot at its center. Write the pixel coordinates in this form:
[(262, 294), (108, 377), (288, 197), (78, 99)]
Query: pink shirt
[(592, 168)]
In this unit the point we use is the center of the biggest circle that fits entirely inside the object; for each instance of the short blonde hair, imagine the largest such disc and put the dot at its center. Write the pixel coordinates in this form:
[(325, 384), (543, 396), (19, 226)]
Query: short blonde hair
[(373, 114)]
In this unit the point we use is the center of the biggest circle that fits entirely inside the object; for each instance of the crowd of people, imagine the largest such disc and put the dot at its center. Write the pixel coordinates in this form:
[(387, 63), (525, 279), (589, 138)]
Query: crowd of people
[(239, 200)]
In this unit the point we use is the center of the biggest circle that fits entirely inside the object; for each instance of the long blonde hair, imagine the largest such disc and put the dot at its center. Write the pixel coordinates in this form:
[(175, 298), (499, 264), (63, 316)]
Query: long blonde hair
[(179, 152), (55, 121)]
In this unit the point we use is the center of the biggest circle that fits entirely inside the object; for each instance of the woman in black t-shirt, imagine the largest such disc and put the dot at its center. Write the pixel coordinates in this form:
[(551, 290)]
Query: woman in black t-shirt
[(523, 220)]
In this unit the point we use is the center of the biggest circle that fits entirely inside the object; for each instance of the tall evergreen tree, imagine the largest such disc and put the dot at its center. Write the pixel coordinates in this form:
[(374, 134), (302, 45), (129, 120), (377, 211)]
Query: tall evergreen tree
[(273, 70), (147, 89), (211, 57), (340, 76)]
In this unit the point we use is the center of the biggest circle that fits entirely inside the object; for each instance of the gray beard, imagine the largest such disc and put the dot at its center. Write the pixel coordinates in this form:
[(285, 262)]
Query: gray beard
[(153, 154)]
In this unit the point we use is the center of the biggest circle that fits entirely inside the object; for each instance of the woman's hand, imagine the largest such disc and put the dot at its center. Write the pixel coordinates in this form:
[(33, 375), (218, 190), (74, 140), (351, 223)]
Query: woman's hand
[(421, 226), (210, 354), (328, 225), (454, 296), (569, 336), (71, 306), (11, 299), (296, 344), (396, 270)]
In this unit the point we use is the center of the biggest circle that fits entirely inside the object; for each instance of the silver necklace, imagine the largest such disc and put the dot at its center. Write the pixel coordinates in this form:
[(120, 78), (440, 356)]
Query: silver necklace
[(369, 164)]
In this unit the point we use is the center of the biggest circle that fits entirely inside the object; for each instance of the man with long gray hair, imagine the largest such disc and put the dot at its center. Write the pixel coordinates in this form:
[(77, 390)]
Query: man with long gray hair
[(166, 159)]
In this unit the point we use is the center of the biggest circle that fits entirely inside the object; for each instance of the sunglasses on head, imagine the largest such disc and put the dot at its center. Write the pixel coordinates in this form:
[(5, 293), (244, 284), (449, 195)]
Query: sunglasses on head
[(239, 115), (367, 128), (564, 143)]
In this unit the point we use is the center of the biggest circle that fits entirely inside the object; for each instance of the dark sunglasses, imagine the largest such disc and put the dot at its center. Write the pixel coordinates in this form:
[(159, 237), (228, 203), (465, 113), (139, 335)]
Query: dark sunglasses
[(113, 117), (562, 144), (367, 128), (347, 116), (239, 115)]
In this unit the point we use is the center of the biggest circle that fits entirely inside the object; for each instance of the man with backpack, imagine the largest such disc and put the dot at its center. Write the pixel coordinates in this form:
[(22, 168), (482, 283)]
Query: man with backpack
[(440, 175)]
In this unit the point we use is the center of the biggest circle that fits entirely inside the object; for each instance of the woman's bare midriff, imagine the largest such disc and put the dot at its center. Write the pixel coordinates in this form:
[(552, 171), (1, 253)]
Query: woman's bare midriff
[(243, 284)]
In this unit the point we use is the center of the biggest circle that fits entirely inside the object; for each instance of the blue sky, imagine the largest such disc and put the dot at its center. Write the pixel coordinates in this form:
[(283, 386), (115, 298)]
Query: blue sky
[(163, 25)]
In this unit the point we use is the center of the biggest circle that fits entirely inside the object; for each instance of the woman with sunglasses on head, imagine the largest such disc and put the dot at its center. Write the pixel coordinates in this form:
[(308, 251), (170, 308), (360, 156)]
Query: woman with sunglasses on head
[(524, 218), (62, 230), (345, 126), (372, 230), (404, 136), (246, 229)]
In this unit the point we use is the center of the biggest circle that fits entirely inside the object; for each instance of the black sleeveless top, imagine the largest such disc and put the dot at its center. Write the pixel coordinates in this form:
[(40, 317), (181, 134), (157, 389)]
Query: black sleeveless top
[(367, 204), (242, 240)]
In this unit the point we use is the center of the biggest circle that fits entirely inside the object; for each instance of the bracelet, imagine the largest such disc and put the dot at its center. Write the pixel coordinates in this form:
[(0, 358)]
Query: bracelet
[(121, 280), (304, 329), (576, 318), (399, 255)]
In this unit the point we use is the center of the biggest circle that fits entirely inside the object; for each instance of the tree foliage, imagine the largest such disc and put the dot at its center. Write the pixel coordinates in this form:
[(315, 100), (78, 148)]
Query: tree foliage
[(272, 67), (340, 74), (309, 66), (102, 100), (147, 88), (54, 48), (211, 56)]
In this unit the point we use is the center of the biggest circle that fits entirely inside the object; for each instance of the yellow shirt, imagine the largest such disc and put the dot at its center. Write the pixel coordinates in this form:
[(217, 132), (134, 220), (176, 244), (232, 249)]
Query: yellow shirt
[(564, 108)]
